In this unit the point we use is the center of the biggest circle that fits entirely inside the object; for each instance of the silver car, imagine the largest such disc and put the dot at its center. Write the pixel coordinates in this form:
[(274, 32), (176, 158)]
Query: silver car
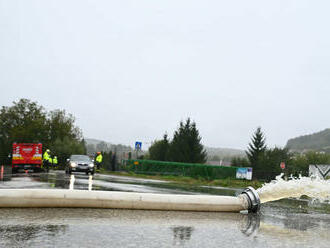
[(80, 163)]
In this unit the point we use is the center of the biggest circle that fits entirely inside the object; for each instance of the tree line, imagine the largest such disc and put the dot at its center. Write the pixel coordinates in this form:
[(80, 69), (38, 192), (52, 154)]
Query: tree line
[(28, 122), (266, 161), (186, 147)]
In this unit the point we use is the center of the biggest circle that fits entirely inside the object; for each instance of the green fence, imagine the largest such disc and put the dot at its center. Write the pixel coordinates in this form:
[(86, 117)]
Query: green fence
[(152, 167)]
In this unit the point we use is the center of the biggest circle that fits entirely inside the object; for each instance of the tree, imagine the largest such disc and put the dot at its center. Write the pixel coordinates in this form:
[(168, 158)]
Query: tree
[(62, 125), (269, 163), (256, 148), (63, 148), (159, 149), (102, 147), (83, 146), (215, 158), (106, 161), (299, 163), (240, 162), (186, 144), (23, 122), (28, 122)]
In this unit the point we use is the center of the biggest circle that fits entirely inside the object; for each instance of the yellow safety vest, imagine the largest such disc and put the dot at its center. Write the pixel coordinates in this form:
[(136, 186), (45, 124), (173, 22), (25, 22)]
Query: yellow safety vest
[(46, 156), (99, 158)]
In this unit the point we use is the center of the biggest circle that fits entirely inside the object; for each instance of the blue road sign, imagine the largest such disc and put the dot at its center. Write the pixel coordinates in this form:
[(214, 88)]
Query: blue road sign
[(138, 145)]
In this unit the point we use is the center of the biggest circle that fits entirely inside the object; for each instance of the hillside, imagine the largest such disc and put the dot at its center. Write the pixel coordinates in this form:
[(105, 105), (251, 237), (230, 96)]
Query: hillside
[(319, 141), (94, 141), (223, 153), (94, 145)]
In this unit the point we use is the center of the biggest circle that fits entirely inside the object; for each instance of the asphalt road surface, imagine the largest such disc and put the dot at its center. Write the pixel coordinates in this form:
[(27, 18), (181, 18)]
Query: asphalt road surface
[(285, 223)]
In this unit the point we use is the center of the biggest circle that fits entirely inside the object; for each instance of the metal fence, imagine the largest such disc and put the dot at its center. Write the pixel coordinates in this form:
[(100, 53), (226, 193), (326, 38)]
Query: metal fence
[(208, 172)]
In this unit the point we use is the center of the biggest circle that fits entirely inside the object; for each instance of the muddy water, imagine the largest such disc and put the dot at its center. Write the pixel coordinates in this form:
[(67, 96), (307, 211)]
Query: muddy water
[(125, 228), (283, 223), (315, 188)]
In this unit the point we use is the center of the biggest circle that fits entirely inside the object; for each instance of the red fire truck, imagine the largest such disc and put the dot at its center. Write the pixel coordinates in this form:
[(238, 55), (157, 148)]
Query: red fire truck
[(26, 156)]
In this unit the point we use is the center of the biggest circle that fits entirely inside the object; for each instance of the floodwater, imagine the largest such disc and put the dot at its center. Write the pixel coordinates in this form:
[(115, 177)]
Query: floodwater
[(312, 187), (283, 223)]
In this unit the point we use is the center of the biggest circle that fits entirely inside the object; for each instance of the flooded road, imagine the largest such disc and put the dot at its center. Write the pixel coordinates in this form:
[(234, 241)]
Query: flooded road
[(284, 223)]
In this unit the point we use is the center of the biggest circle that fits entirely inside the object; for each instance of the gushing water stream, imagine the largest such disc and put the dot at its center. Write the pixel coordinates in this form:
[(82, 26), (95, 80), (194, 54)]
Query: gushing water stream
[(312, 187), (295, 187)]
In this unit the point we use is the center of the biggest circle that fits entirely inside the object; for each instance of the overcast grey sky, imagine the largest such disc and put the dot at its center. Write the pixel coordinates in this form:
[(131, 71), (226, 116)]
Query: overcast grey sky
[(132, 70)]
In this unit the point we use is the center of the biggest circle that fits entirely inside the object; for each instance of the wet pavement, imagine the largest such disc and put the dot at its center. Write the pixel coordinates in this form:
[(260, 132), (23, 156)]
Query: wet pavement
[(284, 223)]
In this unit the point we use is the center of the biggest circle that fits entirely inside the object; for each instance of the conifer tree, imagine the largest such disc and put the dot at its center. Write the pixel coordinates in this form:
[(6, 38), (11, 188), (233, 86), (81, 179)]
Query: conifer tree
[(256, 147), (186, 144), (159, 149)]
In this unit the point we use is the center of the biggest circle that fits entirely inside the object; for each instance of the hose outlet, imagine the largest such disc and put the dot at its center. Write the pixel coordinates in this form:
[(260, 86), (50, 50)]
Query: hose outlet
[(253, 199)]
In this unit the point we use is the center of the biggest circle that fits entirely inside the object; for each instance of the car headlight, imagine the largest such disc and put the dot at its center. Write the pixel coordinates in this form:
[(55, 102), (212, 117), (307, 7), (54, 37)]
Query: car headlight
[(91, 165), (73, 164)]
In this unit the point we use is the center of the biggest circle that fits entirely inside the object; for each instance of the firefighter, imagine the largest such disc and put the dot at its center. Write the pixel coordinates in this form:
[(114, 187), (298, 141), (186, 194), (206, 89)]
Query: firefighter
[(50, 162), (98, 160), (45, 160), (55, 162)]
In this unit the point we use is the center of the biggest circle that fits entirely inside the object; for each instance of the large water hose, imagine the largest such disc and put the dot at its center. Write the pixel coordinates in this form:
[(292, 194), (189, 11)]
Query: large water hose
[(248, 200)]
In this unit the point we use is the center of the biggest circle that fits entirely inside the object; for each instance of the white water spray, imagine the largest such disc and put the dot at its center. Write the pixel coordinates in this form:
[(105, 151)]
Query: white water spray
[(295, 187)]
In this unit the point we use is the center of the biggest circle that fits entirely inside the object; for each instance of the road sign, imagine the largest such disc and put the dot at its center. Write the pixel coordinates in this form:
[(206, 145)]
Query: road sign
[(282, 165), (138, 145)]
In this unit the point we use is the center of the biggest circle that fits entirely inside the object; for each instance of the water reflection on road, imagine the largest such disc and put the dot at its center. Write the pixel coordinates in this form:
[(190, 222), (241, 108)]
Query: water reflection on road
[(285, 223), (137, 228), (71, 185), (58, 179), (73, 179)]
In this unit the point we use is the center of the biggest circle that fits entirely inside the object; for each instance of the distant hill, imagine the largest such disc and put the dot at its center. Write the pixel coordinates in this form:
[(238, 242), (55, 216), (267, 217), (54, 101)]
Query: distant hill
[(223, 153), (95, 145), (319, 141), (94, 141)]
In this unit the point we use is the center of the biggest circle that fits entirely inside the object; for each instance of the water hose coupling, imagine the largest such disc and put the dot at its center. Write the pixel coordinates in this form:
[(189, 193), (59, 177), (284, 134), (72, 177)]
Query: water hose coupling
[(253, 199)]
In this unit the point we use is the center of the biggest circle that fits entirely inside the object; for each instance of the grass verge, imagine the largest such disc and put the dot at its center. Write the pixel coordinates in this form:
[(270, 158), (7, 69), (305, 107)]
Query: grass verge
[(230, 183)]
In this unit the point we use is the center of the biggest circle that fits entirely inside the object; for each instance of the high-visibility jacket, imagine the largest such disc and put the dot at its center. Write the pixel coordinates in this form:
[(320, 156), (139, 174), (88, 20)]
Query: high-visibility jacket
[(55, 160), (99, 158), (46, 156), (50, 160)]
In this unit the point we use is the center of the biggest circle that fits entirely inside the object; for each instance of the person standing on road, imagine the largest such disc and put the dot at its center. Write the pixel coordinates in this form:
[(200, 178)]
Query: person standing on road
[(55, 162), (50, 162), (98, 160), (45, 160)]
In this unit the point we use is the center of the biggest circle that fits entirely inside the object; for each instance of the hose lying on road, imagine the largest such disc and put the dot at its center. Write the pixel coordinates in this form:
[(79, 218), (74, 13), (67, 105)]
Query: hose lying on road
[(248, 200)]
